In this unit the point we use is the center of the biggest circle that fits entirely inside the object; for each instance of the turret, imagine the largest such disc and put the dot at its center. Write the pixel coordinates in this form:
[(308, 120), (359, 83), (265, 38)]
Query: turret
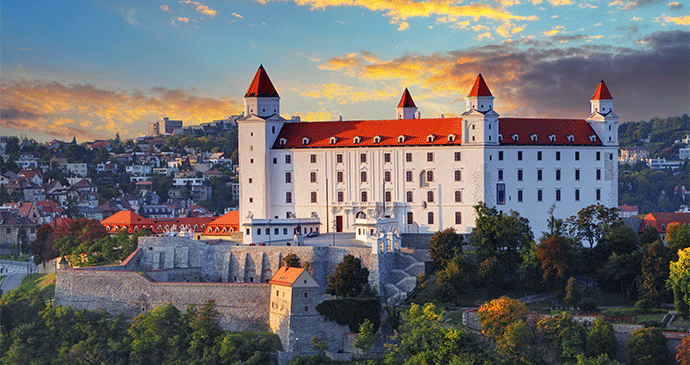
[(406, 108), (480, 121), (602, 101), (602, 118), (261, 98), (480, 98)]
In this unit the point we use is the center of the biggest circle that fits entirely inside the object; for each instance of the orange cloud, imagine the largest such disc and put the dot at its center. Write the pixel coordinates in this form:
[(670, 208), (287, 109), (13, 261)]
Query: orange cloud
[(344, 94), (680, 20), (201, 8)]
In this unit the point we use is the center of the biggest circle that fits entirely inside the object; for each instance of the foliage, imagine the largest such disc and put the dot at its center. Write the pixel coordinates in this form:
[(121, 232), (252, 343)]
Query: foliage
[(565, 336), (679, 281), (590, 222), (599, 360), (621, 271), (644, 305), (318, 344), (649, 235), (683, 351), (445, 246), (516, 343), (496, 315), (651, 283), (554, 256), (588, 305), (349, 279), (292, 260), (618, 238), (573, 294), (601, 339), (489, 273), (351, 312), (678, 238), (367, 337), (452, 280), (647, 346), (530, 272)]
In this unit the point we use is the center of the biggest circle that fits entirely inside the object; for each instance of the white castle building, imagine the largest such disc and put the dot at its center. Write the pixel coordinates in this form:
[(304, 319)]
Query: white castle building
[(424, 174)]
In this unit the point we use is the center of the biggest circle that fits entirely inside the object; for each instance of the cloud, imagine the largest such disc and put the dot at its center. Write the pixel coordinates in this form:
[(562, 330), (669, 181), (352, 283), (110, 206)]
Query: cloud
[(165, 8), (61, 109), (675, 5), (344, 94), (129, 16), (680, 20), (555, 30), (631, 4), (183, 19), (201, 8), (319, 115), (543, 80), (237, 15), (587, 6), (480, 28), (403, 26), (554, 16), (560, 2), (634, 18)]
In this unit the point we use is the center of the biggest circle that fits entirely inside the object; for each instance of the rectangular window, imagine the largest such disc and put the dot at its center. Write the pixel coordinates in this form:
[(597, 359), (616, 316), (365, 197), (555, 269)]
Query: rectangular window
[(288, 159), (558, 175), (430, 196), (410, 218), (288, 197), (519, 195), (363, 158), (458, 218), (341, 197), (363, 176), (288, 178), (539, 175), (364, 197), (339, 158), (519, 175), (258, 231), (251, 200), (430, 157), (284, 231), (249, 232), (312, 176), (408, 176), (275, 160), (458, 196), (306, 308), (610, 156), (457, 156), (409, 196), (430, 218), (388, 196), (386, 157), (598, 174), (387, 176), (275, 231), (500, 175), (250, 180), (429, 176), (598, 194), (538, 155), (519, 155), (558, 195), (500, 194), (577, 195), (577, 155), (500, 155), (313, 197), (458, 175), (577, 174), (598, 155), (558, 155), (339, 176), (312, 158), (539, 195), (408, 157)]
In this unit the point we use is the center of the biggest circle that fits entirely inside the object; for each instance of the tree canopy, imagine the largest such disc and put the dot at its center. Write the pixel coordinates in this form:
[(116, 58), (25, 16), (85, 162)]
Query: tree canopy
[(350, 278)]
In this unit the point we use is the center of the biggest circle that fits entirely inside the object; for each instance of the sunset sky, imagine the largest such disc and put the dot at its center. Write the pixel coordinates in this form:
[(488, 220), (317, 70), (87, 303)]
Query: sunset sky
[(89, 69)]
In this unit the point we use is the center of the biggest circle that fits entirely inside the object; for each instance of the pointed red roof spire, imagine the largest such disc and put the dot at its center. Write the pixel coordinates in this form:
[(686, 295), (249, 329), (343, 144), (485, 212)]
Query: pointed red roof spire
[(406, 100), (602, 92), (261, 85), (480, 88)]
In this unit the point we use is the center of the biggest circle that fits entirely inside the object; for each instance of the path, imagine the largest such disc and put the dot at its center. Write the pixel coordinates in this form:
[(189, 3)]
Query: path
[(11, 281)]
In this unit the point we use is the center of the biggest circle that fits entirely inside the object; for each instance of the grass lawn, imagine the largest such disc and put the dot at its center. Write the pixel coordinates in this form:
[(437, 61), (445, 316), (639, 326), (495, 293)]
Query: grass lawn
[(454, 318), (43, 282)]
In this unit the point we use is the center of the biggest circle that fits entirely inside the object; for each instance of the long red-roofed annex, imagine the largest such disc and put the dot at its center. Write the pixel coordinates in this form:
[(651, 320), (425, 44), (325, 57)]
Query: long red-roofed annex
[(425, 173), (133, 222)]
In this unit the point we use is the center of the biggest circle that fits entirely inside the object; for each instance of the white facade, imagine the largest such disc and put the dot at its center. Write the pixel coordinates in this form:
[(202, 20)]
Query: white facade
[(427, 188)]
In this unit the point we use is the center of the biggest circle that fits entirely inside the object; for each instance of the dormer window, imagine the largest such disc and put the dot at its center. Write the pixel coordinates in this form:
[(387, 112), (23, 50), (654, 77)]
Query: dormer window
[(451, 138), (514, 136), (593, 138), (401, 139), (500, 138), (377, 139), (357, 139), (334, 140), (430, 138), (533, 137), (305, 140), (552, 137), (283, 141), (570, 137)]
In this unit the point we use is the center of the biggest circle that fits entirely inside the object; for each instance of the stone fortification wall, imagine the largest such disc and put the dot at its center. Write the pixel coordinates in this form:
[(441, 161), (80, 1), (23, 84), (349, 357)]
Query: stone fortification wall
[(177, 252), (187, 274), (415, 240), (243, 307)]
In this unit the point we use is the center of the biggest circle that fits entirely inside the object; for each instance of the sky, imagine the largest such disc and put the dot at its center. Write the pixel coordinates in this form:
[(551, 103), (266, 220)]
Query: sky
[(90, 69)]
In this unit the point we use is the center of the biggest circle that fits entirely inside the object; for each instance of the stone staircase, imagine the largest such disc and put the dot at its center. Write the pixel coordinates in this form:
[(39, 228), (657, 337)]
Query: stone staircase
[(403, 281)]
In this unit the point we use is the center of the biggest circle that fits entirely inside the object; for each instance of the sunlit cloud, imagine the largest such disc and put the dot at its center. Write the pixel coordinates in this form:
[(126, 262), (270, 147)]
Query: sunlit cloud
[(587, 6), (130, 17), (560, 2), (680, 20), (319, 115), (675, 5), (634, 18), (201, 8), (183, 19), (237, 15), (165, 8), (553, 31), (404, 26), (344, 94)]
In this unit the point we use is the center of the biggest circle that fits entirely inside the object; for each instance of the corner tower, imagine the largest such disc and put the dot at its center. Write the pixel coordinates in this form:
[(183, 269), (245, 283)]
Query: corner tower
[(480, 121), (261, 98), (406, 108), (602, 118)]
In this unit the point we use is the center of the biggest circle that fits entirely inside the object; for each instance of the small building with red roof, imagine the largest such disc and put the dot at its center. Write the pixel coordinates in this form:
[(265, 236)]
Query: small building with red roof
[(224, 226), (628, 211), (129, 221), (661, 221)]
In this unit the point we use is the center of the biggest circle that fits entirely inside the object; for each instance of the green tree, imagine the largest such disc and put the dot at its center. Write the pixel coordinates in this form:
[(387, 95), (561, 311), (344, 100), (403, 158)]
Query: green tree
[(445, 246), (589, 224), (620, 272), (573, 294), (647, 346), (530, 271), (349, 279), (649, 235), (679, 281), (564, 336), (497, 314), (516, 344), (204, 330), (601, 339), (678, 238), (618, 238), (158, 337), (555, 256), (599, 360), (366, 338), (292, 260), (651, 283), (454, 278)]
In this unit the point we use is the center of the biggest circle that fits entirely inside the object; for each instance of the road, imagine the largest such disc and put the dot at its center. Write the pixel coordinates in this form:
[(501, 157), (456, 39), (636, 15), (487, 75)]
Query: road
[(11, 281)]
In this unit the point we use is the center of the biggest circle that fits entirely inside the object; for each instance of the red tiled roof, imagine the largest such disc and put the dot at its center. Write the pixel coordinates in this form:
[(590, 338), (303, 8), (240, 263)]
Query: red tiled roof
[(660, 221), (286, 276), (197, 223), (414, 130), (479, 88), (543, 129), (627, 208), (602, 92), (261, 85), (406, 100), (49, 206), (126, 217), (31, 173), (25, 208), (225, 224)]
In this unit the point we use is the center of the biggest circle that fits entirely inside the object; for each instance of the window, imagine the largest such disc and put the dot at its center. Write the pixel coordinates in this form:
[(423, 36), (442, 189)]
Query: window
[(577, 194), (500, 155), (558, 175), (430, 218), (598, 155), (341, 197), (519, 175), (500, 194), (258, 231), (312, 158), (458, 196), (577, 155), (306, 308), (363, 158), (408, 176), (250, 180), (598, 194), (430, 157), (430, 196), (429, 176), (306, 295), (251, 200), (539, 195), (312, 176), (408, 157), (458, 217), (598, 174), (313, 197), (539, 175), (288, 159), (577, 174), (275, 231), (388, 196), (275, 160), (386, 157), (558, 195), (519, 155), (458, 175), (249, 232), (387, 176), (408, 196), (458, 156), (251, 160), (284, 231), (363, 176), (410, 218), (364, 197), (519, 195), (288, 178), (500, 175), (339, 176), (538, 155), (558, 155), (339, 158), (288, 197)]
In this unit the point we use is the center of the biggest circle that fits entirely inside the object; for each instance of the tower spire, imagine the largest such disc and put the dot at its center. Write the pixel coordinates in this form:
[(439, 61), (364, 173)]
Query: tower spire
[(479, 88), (261, 98), (261, 85), (406, 107)]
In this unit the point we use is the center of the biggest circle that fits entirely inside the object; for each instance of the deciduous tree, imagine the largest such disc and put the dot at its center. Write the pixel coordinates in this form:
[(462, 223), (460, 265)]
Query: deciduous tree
[(590, 222), (679, 281), (445, 245), (601, 339), (647, 346), (651, 284), (555, 256), (349, 279), (496, 315), (292, 260)]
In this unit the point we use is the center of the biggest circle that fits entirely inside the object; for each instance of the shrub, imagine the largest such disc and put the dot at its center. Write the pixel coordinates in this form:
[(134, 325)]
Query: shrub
[(644, 305), (496, 315), (351, 312), (588, 305), (647, 346)]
